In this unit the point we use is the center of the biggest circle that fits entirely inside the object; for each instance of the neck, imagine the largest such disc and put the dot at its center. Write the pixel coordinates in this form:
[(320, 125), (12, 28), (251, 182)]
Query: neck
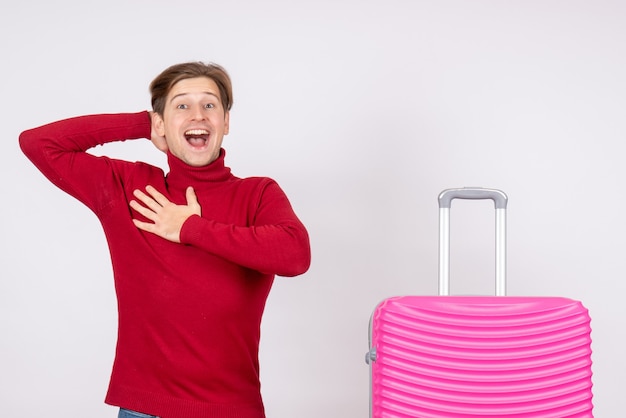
[(183, 175)]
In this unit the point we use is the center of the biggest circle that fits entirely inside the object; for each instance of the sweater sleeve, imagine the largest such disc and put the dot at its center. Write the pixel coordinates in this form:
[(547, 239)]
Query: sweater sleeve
[(276, 242), (58, 150)]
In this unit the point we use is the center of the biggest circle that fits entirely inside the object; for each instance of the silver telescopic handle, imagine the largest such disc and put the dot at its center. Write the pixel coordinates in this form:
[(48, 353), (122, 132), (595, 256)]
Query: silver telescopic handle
[(445, 201)]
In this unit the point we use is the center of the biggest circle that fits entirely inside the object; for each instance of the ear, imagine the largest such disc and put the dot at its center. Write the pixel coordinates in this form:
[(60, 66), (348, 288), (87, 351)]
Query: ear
[(157, 134), (158, 126), (226, 123)]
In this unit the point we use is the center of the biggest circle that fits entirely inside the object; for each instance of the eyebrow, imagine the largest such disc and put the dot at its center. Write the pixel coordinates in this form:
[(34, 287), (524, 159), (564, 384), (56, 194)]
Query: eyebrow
[(204, 92)]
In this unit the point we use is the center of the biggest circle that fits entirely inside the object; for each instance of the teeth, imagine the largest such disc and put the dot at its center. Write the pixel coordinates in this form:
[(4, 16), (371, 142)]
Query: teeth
[(196, 132)]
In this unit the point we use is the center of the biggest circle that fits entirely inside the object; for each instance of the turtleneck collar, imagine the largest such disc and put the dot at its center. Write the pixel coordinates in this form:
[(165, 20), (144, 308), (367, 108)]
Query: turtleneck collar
[(182, 175)]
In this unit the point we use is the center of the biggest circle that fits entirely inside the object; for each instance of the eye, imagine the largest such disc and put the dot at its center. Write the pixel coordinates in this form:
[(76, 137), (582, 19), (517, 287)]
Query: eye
[(181, 106), (209, 106)]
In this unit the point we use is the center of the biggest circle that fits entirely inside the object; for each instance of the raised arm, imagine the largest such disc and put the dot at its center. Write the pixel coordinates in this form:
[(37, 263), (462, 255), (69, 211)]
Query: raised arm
[(58, 149)]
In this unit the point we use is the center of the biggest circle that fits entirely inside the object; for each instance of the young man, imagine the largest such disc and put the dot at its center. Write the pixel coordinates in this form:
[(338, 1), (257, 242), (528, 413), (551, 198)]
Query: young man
[(194, 251)]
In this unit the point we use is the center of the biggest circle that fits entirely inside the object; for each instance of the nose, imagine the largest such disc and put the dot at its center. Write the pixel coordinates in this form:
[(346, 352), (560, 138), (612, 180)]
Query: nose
[(198, 113)]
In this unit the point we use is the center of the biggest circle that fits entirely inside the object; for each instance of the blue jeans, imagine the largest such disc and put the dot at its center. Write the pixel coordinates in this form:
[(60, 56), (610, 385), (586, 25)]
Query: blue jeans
[(125, 413)]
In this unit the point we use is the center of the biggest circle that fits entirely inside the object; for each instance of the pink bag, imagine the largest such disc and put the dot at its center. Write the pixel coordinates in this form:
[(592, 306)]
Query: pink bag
[(479, 356)]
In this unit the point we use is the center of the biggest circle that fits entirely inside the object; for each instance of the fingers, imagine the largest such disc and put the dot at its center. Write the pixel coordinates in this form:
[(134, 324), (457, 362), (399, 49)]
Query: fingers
[(143, 210), (154, 199), (165, 217), (192, 201), (191, 195), (145, 226), (152, 203), (157, 196)]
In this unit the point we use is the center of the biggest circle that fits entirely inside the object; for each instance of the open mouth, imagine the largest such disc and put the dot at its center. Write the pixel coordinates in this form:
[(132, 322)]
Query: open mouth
[(197, 137)]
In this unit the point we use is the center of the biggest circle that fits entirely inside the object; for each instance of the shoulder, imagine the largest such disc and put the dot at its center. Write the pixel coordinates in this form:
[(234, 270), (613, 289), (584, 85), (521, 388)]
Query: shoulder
[(257, 183), (137, 170), (253, 189), (256, 180)]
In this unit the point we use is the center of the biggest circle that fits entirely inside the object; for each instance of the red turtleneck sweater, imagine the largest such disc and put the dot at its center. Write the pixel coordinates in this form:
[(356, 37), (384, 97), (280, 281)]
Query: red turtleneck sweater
[(189, 313)]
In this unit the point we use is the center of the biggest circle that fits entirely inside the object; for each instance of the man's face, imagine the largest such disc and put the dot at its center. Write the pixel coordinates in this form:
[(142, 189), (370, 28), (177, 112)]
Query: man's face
[(194, 121)]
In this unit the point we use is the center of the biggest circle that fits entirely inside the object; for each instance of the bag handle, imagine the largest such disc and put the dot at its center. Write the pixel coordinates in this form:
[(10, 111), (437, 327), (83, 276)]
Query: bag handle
[(475, 193)]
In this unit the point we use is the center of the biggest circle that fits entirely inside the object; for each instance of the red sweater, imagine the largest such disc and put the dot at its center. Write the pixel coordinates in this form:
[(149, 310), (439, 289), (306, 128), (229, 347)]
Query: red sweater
[(189, 313)]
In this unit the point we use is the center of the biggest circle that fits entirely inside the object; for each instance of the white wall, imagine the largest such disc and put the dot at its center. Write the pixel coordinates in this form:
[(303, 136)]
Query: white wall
[(363, 111)]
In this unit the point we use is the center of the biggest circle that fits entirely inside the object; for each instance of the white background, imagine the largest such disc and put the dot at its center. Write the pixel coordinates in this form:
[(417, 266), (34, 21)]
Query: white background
[(363, 111)]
